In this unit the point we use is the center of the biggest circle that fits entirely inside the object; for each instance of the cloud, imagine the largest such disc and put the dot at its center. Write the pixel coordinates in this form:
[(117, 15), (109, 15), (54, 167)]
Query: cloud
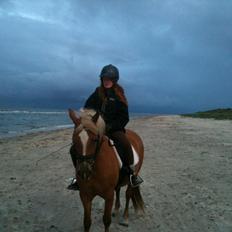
[(171, 54)]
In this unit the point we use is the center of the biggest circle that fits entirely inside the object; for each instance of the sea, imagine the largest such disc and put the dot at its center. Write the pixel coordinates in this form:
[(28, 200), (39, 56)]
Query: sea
[(15, 122)]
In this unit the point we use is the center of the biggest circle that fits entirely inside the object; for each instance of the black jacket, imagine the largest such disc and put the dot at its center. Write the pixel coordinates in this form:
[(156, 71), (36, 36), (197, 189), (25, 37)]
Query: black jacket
[(114, 112)]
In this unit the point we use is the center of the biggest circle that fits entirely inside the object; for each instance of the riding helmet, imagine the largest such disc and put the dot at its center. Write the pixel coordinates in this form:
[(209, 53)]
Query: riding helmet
[(111, 72)]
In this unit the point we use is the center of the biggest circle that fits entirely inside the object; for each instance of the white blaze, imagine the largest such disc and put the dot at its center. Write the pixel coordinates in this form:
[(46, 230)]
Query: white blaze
[(84, 138)]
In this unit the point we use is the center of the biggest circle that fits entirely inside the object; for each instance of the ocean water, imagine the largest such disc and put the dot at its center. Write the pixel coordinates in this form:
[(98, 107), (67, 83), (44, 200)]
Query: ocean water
[(14, 122)]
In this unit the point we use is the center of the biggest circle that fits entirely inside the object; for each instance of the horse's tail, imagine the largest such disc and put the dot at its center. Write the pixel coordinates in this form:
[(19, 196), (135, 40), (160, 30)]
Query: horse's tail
[(137, 199)]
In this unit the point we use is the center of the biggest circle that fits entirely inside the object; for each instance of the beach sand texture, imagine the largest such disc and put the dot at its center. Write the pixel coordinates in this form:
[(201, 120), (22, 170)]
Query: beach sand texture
[(187, 174)]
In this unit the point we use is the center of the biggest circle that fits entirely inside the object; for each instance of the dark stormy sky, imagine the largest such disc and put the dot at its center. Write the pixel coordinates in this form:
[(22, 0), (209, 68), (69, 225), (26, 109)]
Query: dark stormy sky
[(174, 56)]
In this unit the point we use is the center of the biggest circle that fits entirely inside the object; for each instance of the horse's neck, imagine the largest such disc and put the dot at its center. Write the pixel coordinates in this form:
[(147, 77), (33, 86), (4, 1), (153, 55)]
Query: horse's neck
[(105, 143), (104, 140)]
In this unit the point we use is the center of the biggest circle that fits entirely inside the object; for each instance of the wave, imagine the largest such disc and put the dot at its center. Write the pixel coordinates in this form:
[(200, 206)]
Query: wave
[(49, 128), (30, 112), (13, 133)]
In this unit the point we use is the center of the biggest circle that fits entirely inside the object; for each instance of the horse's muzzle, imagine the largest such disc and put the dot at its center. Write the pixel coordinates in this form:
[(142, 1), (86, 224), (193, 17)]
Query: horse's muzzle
[(85, 169)]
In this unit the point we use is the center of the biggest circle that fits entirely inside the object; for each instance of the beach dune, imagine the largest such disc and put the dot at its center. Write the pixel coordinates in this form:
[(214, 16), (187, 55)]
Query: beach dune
[(187, 180)]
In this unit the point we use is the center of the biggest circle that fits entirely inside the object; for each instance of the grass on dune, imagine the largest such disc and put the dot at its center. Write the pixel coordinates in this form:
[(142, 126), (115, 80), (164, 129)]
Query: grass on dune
[(220, 114)]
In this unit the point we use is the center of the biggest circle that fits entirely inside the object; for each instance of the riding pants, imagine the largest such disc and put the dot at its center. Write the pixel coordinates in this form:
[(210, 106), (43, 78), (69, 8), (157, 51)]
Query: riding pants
[(123, 147)]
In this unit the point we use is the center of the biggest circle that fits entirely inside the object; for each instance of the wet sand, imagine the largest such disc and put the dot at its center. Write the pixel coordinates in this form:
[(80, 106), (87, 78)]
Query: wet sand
[(187, 180)]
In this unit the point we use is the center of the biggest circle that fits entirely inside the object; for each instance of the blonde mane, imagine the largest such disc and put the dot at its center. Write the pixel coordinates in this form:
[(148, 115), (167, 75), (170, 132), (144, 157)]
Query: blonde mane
[(87, 122)]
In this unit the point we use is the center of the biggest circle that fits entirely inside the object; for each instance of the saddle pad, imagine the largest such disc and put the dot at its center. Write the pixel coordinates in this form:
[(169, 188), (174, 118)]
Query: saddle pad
[(135, 155)]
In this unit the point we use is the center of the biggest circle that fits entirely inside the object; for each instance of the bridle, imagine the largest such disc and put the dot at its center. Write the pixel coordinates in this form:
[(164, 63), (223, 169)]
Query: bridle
[(85, 163), (91, 157)]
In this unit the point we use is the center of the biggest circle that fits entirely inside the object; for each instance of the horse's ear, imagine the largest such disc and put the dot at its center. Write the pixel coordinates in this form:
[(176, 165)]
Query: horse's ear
[(76, 120), (95, 117)]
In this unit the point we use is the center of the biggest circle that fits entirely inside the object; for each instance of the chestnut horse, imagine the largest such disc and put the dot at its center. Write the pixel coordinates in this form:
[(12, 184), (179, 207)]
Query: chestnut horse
[(98, 168)]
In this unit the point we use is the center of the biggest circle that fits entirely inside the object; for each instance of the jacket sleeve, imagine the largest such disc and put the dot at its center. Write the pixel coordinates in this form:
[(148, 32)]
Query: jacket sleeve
[(93, 101), (121, 119)]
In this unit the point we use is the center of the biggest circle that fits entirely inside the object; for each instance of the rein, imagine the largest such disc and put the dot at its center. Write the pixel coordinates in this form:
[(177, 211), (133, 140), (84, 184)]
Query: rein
[(52, 153)]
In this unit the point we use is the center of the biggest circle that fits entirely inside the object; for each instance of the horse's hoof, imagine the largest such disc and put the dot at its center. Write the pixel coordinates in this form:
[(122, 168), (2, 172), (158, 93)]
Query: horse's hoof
[(124, 222), (140, 213)]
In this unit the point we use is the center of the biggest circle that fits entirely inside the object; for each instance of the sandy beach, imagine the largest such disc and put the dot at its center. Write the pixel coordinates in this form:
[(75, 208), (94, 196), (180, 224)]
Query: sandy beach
[(187, 180)]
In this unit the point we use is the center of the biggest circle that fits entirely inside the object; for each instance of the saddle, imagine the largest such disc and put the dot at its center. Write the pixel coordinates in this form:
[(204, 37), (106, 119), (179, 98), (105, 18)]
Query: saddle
[(119, 154)]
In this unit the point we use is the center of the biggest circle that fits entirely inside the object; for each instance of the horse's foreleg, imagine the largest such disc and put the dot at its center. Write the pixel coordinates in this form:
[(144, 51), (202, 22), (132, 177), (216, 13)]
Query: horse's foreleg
[(107, 212), (87, 204), (117, 203)]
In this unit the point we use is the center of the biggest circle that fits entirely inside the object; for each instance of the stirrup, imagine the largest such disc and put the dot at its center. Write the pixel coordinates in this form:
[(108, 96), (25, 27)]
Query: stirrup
[(136, 182)]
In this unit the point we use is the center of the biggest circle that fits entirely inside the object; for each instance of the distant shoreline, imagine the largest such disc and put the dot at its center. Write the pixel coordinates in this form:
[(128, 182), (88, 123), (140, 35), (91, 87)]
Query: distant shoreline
[(56, 128), (20, 122), (218, 114)]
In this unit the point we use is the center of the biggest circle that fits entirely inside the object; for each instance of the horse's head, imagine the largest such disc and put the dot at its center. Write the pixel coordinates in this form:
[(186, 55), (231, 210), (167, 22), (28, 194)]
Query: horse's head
[(87, 135)]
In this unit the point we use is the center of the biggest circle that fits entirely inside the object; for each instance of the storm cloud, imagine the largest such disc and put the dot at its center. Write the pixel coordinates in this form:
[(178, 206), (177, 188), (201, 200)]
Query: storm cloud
[(174, 56)]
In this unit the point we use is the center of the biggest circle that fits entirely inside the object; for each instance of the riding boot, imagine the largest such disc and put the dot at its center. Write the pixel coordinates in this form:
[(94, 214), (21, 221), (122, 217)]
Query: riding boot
[(135, 180)]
